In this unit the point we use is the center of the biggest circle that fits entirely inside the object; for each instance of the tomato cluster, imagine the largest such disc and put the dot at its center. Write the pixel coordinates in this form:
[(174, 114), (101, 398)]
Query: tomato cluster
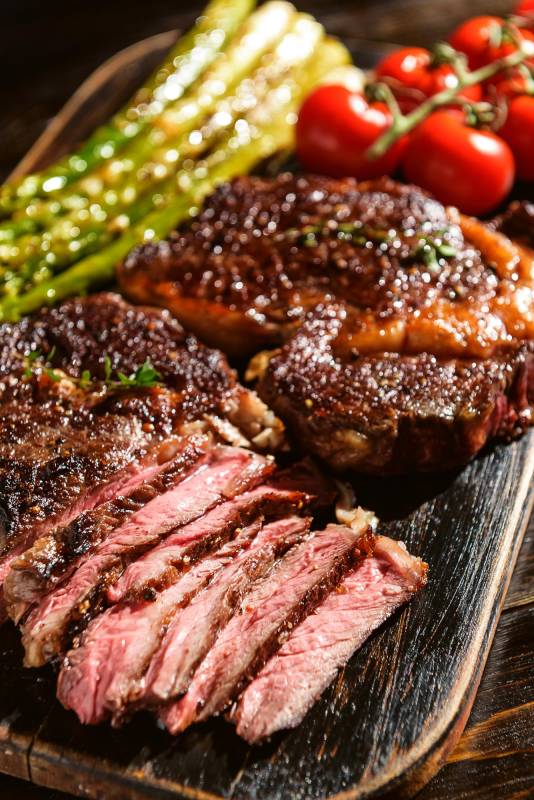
[(463, 159)]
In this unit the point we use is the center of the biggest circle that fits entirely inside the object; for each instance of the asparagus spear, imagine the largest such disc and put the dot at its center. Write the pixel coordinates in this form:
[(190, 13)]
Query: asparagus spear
[(256, 37), (56, 246), (271, 130), (192, 54)]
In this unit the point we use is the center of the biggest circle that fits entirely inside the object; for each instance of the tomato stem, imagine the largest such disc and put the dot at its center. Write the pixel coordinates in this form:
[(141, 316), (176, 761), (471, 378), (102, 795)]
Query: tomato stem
[(403, 124)]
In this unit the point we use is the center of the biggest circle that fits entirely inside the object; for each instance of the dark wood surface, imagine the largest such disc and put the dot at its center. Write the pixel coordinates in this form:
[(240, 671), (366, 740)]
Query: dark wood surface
[(49, 49)]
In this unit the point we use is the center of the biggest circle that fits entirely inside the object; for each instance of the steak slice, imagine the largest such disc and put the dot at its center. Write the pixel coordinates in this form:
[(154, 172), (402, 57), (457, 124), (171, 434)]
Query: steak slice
[(300, 581), (79, 597), (158, 567), (58, 553), (61, 445), (193, 631), (263, 252), (391, 413), (105, 675), (291, 682)]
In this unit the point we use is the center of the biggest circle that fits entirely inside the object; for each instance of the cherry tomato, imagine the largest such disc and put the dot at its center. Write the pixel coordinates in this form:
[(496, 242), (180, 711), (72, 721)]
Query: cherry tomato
[(518, 132), (461, 166), (508, 84), (335, 128), (525, 8), (413, 74), (476, 36)]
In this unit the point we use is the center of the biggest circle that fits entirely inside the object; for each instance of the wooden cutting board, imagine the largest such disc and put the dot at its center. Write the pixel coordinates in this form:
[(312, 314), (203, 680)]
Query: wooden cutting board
[(386, 724)]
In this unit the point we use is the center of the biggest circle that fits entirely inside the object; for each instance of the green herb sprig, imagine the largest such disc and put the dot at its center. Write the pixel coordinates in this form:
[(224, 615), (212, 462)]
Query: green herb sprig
[(430, 249), (144, 377)]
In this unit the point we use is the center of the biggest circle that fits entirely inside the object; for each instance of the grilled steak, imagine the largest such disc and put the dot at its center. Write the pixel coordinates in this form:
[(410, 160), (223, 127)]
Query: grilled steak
[(300, 581), (291, 681), (59, 552), (193, 630), (389, 412), (263, 252), (435, 353), (75, 600), (106, 672), (68, 446), (517, 222), (158, 568)]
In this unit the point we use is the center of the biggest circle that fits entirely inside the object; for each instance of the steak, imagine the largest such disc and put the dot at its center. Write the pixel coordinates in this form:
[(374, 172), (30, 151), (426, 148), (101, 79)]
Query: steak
[(300, 581), (434, 354), (65, 447), (292, 680), (159, 566), (391, 413), (193, 631), (57, 553), (264, 252), (78, 598), (517, 222), (105, 675)]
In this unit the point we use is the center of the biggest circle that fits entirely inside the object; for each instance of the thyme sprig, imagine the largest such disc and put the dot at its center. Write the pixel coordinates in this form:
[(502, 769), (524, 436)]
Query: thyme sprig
[(144, 377), (430, 249)]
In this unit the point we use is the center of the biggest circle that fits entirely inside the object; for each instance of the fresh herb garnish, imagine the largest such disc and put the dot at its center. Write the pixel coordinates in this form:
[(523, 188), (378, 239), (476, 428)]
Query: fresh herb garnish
[(144, 377), (429, 250)]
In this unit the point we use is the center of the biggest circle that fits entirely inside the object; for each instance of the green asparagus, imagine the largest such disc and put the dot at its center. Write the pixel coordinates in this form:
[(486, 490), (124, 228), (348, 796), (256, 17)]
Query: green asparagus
[(254, 39), (269, 130), (192, 54), (79, 234)]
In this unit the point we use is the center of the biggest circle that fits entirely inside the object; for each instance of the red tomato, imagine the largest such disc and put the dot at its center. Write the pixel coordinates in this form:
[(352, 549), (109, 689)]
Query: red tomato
[(525, 8), (507, 84), (411, 69), (474, 38), (336, 127), (518, 132), (461, 166)]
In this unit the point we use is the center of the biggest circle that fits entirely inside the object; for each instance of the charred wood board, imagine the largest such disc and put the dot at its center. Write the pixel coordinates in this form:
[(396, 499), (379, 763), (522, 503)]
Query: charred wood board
[(390, 719)]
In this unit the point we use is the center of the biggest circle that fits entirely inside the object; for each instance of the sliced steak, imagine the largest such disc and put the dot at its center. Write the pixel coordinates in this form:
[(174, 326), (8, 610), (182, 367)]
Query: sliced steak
[(105, 675), (292, 680), (391, 413), (58, 553), (69, 606), (193, 631), (264, 252), (294, 588), (160, 565), (62, 447)]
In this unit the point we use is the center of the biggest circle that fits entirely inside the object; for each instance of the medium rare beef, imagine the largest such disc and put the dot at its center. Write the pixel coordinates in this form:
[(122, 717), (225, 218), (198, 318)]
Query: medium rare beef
[(389, 412), (69, 443), (105, 675), (299, 582), (263, 252), (293, 679), (193, 630), (159, 566), (57, 553), (75, 600)]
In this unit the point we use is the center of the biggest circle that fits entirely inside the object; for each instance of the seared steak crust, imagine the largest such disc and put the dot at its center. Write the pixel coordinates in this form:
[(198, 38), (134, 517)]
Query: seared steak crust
[(263, 252), (60, 443), (391, 412)]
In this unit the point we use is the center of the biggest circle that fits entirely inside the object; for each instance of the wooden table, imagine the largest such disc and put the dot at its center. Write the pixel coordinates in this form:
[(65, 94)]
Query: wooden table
[(47, 50)]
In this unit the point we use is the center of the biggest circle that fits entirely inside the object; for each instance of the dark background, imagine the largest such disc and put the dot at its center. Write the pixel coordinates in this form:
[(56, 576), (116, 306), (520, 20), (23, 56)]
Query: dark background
[(46, 50)]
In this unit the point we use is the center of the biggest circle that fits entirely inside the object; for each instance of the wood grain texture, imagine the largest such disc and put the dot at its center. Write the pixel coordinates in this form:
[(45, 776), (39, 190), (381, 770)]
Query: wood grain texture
[(337, 746)]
